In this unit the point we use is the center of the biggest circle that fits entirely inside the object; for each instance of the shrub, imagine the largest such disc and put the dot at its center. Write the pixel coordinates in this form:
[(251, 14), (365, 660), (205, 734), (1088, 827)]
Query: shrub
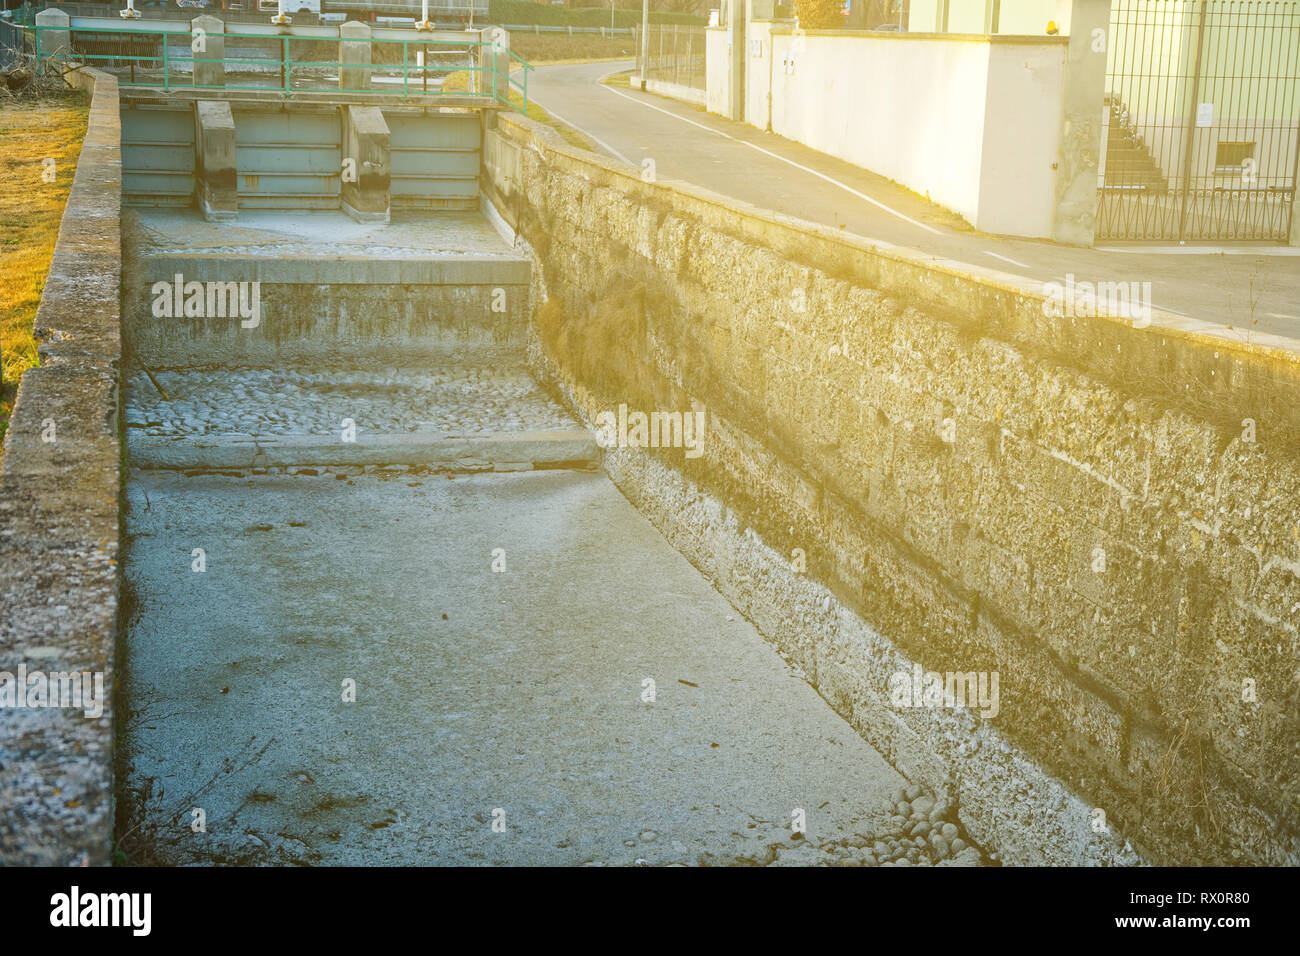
[(819, 14)]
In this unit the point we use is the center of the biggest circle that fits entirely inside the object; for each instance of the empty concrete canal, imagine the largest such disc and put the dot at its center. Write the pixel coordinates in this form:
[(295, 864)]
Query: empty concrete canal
[(427, 490), (381, 596)]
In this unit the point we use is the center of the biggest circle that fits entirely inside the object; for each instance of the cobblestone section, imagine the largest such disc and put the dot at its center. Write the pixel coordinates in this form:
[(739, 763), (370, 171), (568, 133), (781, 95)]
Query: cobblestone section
[(450, 401), (1107, 516), (920, 830)]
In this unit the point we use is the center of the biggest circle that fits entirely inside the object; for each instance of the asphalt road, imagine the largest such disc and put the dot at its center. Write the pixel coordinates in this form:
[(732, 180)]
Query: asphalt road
[(1250, 289)]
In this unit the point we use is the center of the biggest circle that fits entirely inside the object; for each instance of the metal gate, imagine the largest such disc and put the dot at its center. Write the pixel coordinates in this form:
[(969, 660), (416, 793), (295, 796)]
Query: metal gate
[(1203, 109)]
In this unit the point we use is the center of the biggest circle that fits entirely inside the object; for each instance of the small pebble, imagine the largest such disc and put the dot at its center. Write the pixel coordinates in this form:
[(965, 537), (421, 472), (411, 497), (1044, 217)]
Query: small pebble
[(940, 845)]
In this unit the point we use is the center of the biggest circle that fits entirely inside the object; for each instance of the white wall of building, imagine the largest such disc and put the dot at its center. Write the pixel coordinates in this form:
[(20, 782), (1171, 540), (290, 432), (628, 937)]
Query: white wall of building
[(717, 72), (971, 122)]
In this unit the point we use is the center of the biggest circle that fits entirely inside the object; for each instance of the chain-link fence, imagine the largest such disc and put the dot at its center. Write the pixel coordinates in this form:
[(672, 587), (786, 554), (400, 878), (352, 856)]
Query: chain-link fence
[(676, 55)]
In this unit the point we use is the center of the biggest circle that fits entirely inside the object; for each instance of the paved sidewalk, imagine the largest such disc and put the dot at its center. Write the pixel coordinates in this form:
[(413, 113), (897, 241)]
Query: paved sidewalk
[(1252, 289)]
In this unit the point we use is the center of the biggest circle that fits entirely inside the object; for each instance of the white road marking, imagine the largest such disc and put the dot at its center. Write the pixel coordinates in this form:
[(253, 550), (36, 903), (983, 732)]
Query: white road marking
[(1005, 259), (591, 136), (790, 162), (1282, 315)]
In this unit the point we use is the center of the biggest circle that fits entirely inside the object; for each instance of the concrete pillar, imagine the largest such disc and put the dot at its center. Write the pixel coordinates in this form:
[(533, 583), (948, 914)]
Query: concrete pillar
[(354, 54), (1082, 121), (493, 54), (215, 177), (736, 32), (366, 168), (56, 41), (212, 47)]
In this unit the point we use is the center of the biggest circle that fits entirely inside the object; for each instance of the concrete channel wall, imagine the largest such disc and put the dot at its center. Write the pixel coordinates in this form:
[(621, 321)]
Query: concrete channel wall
[(1106, 516), (59, 491)]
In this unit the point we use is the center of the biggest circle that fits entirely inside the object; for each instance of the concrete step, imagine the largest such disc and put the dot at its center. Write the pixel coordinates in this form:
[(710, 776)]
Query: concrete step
[(444, 285), (457, 418), (420, 452)]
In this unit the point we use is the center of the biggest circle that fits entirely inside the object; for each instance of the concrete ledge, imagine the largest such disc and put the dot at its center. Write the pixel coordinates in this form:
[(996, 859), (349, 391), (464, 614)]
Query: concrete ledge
[(59, 523), (687, 94), (460, 270), (996, 39), (505, 452)]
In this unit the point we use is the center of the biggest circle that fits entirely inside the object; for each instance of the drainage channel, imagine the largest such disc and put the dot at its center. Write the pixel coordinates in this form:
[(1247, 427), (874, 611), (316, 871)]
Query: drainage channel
[(383, 606)]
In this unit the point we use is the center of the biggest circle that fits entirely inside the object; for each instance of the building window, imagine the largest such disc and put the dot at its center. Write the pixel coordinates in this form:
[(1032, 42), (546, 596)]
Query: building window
[(1229, 157)]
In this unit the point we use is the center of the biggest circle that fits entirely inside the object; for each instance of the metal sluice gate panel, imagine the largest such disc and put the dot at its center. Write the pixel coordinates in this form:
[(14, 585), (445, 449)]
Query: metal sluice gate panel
[(1202, 108)]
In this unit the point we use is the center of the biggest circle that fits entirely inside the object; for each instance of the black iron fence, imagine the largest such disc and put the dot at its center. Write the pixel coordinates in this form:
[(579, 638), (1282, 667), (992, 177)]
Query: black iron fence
[(676, 55), (11, 44), (1203, 120)]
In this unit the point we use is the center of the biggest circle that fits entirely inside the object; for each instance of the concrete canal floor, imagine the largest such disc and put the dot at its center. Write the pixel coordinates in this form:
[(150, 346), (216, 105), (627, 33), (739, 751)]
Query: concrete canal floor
[(476, 690)]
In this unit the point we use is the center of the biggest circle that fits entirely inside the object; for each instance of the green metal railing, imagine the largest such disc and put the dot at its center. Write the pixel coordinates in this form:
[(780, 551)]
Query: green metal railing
[(133, 50)]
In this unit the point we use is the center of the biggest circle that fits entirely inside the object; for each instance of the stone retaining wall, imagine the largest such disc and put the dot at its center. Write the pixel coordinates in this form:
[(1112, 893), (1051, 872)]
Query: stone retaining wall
[(1106, 516), (59, 492)]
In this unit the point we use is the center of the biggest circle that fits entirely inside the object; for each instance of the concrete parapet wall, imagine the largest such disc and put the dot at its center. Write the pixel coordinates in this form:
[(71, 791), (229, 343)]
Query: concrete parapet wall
[(1107, 516), (59, 486), (676, 91)]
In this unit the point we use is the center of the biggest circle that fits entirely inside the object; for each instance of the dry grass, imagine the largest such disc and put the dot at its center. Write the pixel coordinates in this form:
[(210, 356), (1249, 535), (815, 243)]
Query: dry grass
[(30, 212), (561, 48)]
